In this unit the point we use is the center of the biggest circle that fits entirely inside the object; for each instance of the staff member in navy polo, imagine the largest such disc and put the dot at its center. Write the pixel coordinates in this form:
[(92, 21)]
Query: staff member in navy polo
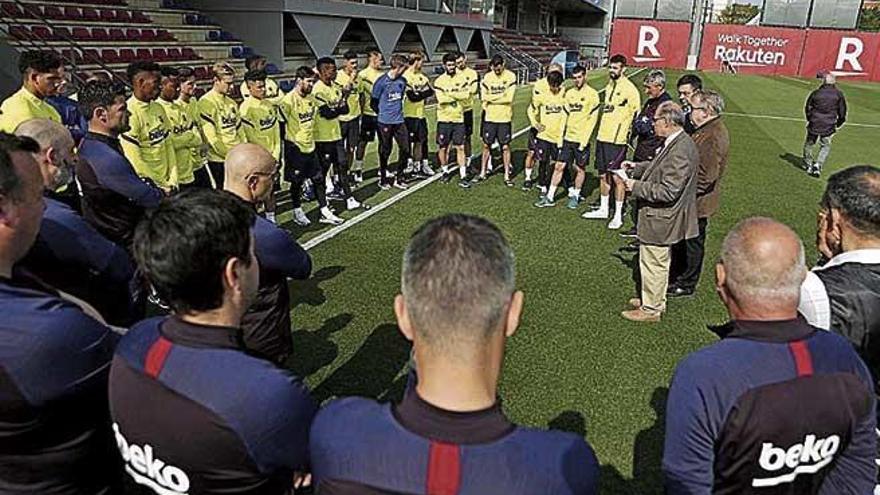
[(70, 254), (250, 173), (192, 411), (387, 101), (54, 427), (449, 435), (777, 406), (114, 197)]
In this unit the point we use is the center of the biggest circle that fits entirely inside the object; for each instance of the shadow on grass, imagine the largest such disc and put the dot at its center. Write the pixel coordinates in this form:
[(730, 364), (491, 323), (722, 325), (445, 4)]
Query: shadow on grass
[(793, 160), (313, 349), (373, 371), (309, 291)]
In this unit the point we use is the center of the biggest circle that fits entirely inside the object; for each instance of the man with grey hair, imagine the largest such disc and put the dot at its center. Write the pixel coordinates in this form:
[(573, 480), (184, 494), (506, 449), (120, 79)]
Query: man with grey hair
[(449, 430), (69, 254), (665, 193), (713, 144), (776, 403), (826, 112), (648, 142)]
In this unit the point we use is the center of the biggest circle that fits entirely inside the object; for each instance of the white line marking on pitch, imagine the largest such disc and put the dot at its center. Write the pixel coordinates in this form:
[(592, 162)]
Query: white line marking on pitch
[(794, 119), (335, 231)]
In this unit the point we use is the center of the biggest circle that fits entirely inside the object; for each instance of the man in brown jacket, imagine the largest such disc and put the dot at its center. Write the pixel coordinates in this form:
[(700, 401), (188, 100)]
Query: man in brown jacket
[(713, 144), (666, 193)]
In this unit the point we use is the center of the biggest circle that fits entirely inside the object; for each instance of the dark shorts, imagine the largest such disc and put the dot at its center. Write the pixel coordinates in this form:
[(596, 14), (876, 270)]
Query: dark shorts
[(351, 131), (449, 132), (330, 154), (417, 129), (299, 165), (609, 156), (533, 139), (469, 123), (572, 155), (545, 151), (369, 126), (493, 131)]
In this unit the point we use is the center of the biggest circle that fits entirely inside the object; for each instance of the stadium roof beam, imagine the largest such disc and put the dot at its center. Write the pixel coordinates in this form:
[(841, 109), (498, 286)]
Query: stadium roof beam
[(322, 33), (463, 38), (430, 38), (588, 6), (386, 35)]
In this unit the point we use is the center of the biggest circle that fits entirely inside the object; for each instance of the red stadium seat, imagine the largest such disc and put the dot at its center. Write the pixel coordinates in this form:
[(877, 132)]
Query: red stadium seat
[(109, 56), (91, 56), (52, 12), (72, 14), (190, 54), (139, 17), (117, 34), (164, 35), (123, 16), (144, 54), (89, 14), (71, 55), (201, 73), (42, 33), (133, 34), (100, 34), (20, 32), (62, 33), (108, 15), (81, 34), (12, 10), (127, 55), (175, 54), (148, 35), (32, 11)]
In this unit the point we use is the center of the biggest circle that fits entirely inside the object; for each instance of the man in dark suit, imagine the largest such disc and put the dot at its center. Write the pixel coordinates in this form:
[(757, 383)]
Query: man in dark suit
[(666, 192), (826, 112)]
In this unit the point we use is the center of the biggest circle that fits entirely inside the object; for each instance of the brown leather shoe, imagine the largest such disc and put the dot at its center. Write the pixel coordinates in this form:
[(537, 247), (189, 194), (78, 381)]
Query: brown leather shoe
[(635, 302), (640, 315)]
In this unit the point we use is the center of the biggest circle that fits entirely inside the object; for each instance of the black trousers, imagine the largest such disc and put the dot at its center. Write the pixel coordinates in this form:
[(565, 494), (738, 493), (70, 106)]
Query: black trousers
[(202, 179), (218, 172), (300, 166), (332, 154), (687, 259), (388, 135)]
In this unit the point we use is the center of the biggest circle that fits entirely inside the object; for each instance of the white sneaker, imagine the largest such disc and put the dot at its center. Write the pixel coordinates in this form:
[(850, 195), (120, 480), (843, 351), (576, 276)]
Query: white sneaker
[(300, 218), (401, 185), (427, 170), (598, 214), (352, 204), (328, 217), (615, 223)]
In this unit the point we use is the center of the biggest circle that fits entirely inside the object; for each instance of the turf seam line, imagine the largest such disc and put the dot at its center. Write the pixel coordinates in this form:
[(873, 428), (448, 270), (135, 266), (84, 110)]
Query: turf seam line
[(793, 119), (335, 231)]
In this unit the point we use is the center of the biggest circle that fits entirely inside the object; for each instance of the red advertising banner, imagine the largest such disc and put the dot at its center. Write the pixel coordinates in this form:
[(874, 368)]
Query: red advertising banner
[(651, 43), (850, 55), (752, 49)]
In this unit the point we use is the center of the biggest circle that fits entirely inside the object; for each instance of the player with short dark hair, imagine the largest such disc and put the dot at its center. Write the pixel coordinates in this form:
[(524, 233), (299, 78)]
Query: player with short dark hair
[(451, 96), (220, 120), (42, 74), (389, 92), (369, 125), (184, 393), (185, 135), (540, 87), (496, 94), (418, 89), (547, 114), (470, 80), (350, 123), (449, 435), (189, 103), (272, 92)]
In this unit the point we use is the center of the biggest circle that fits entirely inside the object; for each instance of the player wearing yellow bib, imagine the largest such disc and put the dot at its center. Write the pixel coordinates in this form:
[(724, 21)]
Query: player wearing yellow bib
[(185, 135), (470, 81), (540, 87), (418, 89), (582, 104), (42, 76), (369, 125), (350, 123), (190, 105), (301, 160), (496, 93), (332, 102), (147, 144), (220, 121), (622, 102), (451, 96), (547, 115)]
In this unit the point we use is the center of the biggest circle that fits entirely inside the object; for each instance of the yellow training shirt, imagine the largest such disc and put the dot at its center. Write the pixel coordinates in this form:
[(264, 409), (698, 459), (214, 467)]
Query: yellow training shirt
[(622, 103), (450, 98), (470, 81), (23, 106), (326, 130), (191, 107), (148, 146), (496, 93), (368, 78), (300, 112), (583, 108), (261, 125), (548, 109), (185, 137), (221, 124), (415, 81), (273, 92), (354, 99)]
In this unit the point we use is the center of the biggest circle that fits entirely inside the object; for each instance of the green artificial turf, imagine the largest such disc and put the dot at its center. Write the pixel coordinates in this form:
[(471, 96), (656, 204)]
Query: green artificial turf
[(574, 364)]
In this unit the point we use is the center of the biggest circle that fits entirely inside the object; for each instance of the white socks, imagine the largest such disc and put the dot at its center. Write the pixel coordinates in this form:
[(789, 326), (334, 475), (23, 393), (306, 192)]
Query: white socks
[(551, 192), (603, 204), (618, 211), (572, 192), (529, 173), (462, 171)]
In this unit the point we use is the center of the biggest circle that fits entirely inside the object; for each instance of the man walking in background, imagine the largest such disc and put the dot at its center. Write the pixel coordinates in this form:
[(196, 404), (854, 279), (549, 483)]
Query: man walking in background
[(713, 144), (622, 102), (826, 112)]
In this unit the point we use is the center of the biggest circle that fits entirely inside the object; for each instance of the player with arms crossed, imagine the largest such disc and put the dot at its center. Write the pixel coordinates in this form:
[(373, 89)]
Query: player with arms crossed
[(497, 91)]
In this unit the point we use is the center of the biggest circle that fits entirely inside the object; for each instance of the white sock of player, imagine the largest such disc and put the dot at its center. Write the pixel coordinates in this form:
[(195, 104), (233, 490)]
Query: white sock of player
[(618, 211), (270, 216), (424, 162), (358, 165), (462, 171), (551, 192), (328, 183), (445, 169), (603, 203), (572, 192), (529, 173)]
